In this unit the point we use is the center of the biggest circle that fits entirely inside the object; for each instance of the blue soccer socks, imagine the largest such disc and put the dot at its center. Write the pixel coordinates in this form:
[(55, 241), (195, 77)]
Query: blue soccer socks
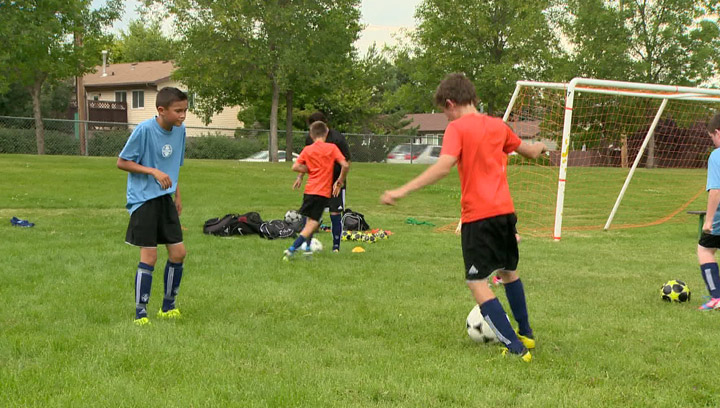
[(516, 297), (712, 278), (495, 316), (143, 284), (298, 243), (172, 277), (336, 220)]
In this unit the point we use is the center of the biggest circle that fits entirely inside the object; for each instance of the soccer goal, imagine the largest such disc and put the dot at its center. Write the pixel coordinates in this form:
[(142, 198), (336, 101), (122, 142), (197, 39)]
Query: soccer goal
[(620, 153)]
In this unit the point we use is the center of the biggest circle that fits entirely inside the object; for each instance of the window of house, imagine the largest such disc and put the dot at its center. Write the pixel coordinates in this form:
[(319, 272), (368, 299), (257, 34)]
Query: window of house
[(138, 99), (120, 96)]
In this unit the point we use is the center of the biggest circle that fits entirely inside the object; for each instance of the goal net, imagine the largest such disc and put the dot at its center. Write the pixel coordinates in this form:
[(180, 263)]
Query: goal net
[(620, 154)]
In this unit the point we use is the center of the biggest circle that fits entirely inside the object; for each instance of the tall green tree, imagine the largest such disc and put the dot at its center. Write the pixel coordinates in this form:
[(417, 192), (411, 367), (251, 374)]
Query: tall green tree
[(494, 42), (661, 41), (41, 44), (243, 52), (143, 42)]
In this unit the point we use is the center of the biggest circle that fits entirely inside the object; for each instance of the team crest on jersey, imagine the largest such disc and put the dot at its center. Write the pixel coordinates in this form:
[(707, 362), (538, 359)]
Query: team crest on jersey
[(167, 150)]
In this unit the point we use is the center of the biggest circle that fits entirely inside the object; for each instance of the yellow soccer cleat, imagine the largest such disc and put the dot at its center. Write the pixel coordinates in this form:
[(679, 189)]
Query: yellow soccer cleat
[(528, 342), (143, 321), (524, 356), (170, 314)]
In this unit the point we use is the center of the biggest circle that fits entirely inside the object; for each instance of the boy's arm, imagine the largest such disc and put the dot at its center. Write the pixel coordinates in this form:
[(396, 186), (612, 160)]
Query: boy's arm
[(437, 171), (178, 201), (344, 168), (300, 168), (712, 205), (133, 167), (531, 151)]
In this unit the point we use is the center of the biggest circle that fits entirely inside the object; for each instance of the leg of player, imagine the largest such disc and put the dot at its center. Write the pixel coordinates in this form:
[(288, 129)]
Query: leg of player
[(495, 316), (515, 293), (143, 283), (711, 276), (307, 231), (171, 279), (336, 220)]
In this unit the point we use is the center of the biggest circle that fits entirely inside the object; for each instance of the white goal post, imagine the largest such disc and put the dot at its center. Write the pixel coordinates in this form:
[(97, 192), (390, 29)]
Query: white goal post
[(612, 92)]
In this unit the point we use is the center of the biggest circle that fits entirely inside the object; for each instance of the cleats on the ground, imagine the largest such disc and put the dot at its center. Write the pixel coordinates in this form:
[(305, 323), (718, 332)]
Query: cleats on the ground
[(142, 321), (496, 280), (336, 250), (527, 341), (712, 304), (524, 355), (170, 314), (288, 254)]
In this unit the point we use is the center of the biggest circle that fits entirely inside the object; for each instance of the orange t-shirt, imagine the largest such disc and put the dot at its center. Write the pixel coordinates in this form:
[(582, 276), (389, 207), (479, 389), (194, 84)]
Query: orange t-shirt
[(320, 158), (481, 144)]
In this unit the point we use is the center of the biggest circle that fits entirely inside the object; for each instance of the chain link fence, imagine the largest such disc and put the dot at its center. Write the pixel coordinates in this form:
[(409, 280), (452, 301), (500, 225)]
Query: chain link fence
[(63, 137)]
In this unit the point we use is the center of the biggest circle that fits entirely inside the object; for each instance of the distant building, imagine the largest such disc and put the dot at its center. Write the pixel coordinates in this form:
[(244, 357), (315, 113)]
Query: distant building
[(133, 87)]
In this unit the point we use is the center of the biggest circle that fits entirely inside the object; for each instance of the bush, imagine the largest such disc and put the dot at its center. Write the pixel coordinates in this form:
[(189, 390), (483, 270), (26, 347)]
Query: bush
[(22, 141), (220, 147), (107, 142)]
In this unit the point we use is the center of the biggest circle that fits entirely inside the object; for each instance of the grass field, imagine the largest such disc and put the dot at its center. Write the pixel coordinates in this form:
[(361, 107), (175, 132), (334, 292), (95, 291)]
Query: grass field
[(379, 329)]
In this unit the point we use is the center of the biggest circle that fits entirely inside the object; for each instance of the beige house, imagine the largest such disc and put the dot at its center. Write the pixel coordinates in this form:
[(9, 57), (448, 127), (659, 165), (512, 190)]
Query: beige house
[(136, 85)]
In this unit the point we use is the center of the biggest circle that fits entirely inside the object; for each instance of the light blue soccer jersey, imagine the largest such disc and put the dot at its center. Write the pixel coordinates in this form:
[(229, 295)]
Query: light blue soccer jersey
[(713, 183), (152, 146)]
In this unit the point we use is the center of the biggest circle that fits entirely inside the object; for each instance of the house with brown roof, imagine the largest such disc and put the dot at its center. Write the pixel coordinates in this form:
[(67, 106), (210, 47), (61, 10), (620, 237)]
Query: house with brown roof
[(134, 86)]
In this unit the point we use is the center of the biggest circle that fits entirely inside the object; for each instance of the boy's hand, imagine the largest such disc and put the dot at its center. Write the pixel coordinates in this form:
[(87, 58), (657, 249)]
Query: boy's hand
[(337, 187), (707, 226), (298, 183), (162, 179), (391, 196)]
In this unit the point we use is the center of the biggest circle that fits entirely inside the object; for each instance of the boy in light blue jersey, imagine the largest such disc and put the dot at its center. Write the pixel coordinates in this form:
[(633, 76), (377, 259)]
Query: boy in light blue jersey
[(710, 239), (152, 156)]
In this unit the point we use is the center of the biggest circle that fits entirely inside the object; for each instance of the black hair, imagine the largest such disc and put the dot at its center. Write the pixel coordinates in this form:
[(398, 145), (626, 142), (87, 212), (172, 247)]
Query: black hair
[(168, 95), (457, 88), (316, 116)]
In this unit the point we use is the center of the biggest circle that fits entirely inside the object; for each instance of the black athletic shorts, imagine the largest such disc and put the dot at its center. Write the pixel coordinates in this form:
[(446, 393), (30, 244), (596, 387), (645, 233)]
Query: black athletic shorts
[(313, 206), (709, 241), (488, 245), (153, 223), (337, 204)]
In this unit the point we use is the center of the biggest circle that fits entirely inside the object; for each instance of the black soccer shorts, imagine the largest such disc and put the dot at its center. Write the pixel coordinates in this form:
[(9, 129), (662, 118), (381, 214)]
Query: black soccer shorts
[(488, 245), (709, 241), (313, 206), (154, 223)]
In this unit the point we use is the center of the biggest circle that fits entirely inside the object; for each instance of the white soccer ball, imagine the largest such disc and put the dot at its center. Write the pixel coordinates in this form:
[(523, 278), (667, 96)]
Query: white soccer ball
[(292, 217), (477, 327), (315, 245)]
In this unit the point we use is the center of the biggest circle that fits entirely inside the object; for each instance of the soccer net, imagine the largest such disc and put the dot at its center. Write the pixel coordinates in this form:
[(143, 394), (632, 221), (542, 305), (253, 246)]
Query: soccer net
[(621, 154)]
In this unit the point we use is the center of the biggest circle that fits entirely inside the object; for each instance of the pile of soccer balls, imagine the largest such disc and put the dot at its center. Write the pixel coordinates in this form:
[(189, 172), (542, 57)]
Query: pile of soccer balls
[(365, 236), (675, 291)]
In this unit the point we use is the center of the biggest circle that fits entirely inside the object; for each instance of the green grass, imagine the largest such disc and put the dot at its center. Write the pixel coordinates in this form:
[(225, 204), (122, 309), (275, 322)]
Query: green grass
[(379, 329)]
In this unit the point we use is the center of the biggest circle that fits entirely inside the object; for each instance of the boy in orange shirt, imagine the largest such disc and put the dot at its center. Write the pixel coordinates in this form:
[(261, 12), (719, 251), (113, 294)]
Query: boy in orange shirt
[(479, 145), (318, 160)]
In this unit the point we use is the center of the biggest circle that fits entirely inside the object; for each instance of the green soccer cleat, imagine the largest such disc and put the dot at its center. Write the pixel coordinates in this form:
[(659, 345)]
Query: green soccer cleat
[(143, 321), (527, 341), (524, 356), (288, 255), (170, 314)]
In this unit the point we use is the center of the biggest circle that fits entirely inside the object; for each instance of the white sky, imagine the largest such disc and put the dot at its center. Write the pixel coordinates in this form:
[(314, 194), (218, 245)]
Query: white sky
[(383, 19)]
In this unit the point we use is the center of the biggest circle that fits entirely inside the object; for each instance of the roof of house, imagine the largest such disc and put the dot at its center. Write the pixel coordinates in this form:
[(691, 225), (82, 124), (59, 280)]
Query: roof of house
[(148, 72), (427, 122), (437, 122)]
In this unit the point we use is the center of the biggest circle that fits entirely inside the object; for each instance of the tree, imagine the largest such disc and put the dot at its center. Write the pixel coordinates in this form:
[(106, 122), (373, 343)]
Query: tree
[(142, 43), (495, 43), (662, 41), (42, 49), (243, 52)]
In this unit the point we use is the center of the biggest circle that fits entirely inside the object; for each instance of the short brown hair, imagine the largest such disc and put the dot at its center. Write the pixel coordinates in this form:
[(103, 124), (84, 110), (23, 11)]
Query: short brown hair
[(318, 129), (457, 88), (714, 123)]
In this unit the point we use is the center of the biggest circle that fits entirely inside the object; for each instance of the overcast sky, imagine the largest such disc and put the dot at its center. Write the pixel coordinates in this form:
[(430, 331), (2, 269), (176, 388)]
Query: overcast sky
[(382, 18)]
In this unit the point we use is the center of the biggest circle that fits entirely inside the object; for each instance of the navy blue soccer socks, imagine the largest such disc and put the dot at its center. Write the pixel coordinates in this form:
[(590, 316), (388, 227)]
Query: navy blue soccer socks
[(143, 284), (336, 230), (495, 316), (515, 293), (712, 278), (173, 275)]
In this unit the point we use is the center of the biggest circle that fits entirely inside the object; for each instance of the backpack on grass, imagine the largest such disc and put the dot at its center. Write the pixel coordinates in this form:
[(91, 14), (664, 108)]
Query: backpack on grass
[(233, 224), (354, 221), (277, 229)]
